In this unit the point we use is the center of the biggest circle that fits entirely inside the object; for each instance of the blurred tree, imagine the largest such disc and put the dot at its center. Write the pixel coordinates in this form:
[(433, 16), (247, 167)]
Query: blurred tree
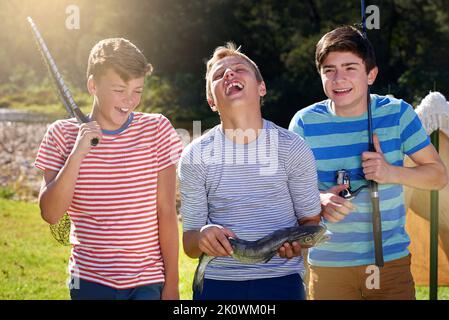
[(178, 37)]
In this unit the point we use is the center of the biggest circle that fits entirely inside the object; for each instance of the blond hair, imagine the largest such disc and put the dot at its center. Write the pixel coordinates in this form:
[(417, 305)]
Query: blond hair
[(120, 55), (229, 50)]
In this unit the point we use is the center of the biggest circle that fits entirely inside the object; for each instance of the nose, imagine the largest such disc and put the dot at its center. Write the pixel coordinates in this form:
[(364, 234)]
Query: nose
[(338, 75), (229, 73), (128, 99)]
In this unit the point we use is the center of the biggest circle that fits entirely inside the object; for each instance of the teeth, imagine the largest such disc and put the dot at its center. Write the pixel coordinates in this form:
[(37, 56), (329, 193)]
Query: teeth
[(342, 90), (234, 84), (124, 109)]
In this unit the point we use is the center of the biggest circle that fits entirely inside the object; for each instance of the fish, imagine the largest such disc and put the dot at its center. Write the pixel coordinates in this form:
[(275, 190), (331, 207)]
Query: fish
[(264, 249)]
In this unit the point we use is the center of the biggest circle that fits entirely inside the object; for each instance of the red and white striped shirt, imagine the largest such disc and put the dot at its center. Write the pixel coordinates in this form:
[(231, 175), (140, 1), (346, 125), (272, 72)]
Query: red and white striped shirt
[(114, 230)]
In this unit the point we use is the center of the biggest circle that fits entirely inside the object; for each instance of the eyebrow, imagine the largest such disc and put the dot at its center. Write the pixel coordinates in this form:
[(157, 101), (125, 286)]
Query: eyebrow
[(343, 65), (124, 86)]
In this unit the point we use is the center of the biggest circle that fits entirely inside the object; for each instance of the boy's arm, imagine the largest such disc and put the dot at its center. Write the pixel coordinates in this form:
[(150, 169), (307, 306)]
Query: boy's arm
[(429, 172), (303, 187), (57, 188), (168, 230), (199, 237)]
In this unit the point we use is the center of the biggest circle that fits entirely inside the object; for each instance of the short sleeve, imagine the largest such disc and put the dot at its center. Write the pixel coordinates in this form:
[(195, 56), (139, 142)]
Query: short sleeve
[(169, 144), (296, 124), (192, 186), (303, 179), (51, 154), (413, 134)]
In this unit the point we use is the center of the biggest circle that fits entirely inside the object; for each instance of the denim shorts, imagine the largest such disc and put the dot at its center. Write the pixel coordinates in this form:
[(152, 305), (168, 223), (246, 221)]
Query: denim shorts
[(86, 290)]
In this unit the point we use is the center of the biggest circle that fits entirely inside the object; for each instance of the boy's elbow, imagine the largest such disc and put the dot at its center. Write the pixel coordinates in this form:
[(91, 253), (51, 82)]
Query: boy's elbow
[(47, 215), (50, 219), (442, 177), (443, 181)]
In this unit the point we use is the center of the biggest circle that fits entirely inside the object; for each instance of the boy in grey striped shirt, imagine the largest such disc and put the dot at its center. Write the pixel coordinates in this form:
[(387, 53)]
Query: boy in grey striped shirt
[(245, 178)]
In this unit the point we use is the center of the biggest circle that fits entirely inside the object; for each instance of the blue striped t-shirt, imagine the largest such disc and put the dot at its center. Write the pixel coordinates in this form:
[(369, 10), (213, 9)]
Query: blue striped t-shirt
[(252, 189), (337, 143)]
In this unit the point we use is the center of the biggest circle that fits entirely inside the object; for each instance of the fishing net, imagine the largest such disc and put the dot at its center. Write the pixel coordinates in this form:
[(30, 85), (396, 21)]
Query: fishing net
[(61, 230)]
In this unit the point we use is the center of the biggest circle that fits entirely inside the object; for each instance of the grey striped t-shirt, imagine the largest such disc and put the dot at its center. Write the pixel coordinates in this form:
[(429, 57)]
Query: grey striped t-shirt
[(252, 189)]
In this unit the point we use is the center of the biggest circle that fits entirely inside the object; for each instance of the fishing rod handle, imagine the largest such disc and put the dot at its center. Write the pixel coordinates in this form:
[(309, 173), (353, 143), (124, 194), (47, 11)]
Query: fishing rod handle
[(83, 119), (377, 224)]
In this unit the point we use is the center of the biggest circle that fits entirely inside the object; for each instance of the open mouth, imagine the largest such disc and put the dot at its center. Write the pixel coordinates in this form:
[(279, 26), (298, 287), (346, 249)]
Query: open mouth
[(342, 91), (122, 110), (233, 87)]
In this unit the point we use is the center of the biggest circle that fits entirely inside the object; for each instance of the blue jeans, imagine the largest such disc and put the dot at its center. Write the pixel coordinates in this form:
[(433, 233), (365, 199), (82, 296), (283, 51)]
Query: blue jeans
[(288, 287), (86, 290)]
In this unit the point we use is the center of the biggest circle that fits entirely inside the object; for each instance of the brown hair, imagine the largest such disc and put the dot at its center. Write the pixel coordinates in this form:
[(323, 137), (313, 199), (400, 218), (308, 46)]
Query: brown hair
[(228, 50), (345, 39), (120, 55)]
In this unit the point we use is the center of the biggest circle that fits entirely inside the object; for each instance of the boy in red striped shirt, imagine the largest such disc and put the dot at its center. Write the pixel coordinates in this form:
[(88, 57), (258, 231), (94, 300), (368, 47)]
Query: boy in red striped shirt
[(120, 194)]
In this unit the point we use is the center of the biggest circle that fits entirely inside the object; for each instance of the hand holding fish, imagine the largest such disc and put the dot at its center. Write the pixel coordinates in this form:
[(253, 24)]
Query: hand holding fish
[(334, 207), (259, 251), (289, 250), (214, 241)]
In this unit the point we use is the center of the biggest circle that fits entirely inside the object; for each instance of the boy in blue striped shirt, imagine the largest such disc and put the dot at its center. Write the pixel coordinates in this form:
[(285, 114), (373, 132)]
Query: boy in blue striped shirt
[(336, 130)]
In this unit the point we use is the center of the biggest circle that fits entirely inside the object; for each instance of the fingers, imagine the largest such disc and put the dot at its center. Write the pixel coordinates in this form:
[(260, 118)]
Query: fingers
[(214, 241), (335, 212), (289, 251), (377, 162), (377, 143), (338, 188), (341, 205), (367, 155), (90, 131), (86, 133)]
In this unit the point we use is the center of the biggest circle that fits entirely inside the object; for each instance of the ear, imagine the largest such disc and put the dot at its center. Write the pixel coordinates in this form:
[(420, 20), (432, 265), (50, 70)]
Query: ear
[(91, 85), (212, 105), (372, 75), (262, 89)]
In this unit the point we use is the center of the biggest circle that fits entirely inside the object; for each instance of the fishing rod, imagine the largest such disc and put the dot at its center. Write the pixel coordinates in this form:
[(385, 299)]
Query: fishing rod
[(60, 230), (62, 89), (373, 186)]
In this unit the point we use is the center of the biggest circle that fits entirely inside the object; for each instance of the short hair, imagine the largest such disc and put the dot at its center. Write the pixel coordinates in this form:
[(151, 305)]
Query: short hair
[(120, 55), (345, 39), (229, 50)]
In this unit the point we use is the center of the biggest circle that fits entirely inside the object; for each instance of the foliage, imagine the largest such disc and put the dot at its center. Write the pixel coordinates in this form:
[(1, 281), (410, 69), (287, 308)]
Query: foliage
[(178, 36)]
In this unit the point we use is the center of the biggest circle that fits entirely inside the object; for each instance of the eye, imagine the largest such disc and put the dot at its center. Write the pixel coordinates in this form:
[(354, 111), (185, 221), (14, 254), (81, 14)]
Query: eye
[(118, 91)]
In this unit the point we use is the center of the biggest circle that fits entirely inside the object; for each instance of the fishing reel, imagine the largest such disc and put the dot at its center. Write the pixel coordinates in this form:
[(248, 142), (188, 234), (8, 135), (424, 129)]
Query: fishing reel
[(343, 178)]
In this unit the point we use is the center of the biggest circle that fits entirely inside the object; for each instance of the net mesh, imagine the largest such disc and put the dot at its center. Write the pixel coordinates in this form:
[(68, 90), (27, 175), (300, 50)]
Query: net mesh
[(61, 230)]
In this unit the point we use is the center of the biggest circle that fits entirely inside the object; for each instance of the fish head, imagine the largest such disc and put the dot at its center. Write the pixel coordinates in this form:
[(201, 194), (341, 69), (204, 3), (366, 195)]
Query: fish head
[(313, 236)]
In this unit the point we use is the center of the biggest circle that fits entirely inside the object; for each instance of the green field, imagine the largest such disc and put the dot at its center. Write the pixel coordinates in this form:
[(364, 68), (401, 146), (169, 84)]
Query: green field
[(33, 265)]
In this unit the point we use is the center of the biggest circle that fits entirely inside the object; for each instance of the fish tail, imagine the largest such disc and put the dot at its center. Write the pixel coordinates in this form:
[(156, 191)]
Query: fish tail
[(198, 279)]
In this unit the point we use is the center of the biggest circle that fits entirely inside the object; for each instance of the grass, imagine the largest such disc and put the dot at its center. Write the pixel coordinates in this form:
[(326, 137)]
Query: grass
[(33, 265)]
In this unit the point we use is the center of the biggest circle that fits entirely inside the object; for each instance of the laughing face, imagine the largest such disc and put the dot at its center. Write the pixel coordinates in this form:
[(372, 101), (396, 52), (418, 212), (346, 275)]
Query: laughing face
[(114, 99), (345, 82), (234, 85)]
